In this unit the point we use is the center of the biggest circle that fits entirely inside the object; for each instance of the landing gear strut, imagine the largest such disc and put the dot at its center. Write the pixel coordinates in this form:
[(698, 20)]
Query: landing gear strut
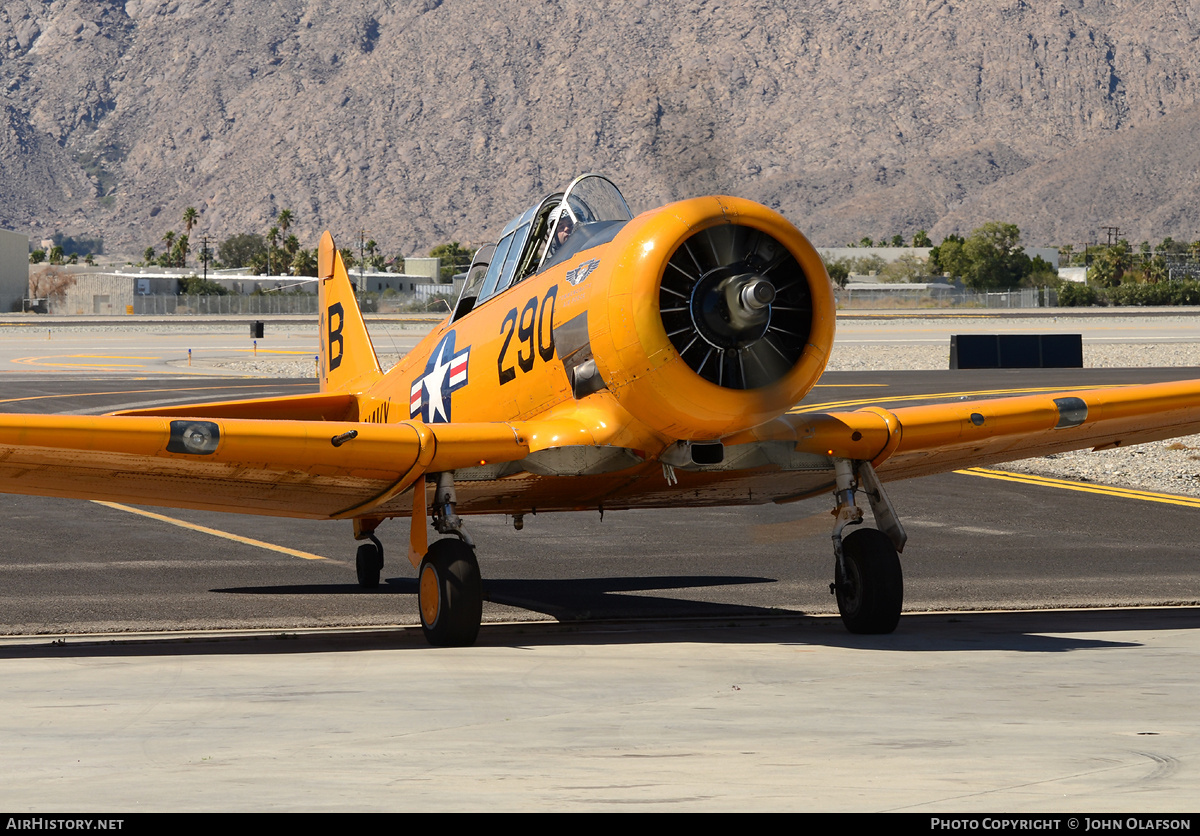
[(450, 594), (868, 582), (449, 589)]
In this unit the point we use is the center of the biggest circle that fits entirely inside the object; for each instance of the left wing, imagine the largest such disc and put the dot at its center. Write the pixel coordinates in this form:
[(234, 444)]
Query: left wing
[(315, 469), (318, 469)]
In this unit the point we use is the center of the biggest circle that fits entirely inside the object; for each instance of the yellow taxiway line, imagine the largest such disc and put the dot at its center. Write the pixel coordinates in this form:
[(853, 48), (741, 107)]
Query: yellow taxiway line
[(237, 538), (1084, 487)]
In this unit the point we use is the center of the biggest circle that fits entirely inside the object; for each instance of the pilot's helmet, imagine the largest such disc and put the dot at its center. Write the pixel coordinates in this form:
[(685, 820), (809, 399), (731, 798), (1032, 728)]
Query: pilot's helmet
[(562, 218)]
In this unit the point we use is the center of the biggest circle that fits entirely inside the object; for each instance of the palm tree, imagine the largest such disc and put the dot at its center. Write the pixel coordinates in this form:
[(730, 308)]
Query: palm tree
[(181, 247), (285, 220), (272, 236), (304, 263), (190, 216)]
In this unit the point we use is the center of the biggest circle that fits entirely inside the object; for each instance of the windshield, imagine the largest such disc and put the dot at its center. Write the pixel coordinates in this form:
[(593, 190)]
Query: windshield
[(591, 213)]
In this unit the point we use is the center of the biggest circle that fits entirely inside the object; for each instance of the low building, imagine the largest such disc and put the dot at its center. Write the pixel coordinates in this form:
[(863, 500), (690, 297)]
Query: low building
[(14, 270)]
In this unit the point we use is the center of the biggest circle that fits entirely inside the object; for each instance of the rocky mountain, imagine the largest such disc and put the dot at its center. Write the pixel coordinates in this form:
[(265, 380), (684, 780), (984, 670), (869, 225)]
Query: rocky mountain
[(425, 120)]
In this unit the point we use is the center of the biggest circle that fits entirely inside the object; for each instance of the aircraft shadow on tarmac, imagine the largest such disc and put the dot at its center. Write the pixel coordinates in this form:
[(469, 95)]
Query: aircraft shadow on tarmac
[(1023, 632), (576, 599)]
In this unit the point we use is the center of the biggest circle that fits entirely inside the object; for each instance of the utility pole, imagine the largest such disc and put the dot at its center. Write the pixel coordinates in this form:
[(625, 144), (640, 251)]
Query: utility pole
[(205, 253), (1114, 234), (362, 259)]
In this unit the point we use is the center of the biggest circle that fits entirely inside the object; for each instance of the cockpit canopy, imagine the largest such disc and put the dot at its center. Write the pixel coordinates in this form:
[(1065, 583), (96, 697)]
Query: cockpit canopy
[(589, 212)]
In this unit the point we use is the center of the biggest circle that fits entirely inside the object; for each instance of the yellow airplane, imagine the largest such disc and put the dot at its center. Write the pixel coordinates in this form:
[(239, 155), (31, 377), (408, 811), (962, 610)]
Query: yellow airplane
[(594, 360)]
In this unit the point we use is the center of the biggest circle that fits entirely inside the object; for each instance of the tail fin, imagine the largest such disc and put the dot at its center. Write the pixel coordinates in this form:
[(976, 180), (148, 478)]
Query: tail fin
[(348, 361)]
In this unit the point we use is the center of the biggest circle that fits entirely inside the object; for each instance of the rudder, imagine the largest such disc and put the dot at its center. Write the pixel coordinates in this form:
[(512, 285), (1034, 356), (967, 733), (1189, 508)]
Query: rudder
[(347, 359)]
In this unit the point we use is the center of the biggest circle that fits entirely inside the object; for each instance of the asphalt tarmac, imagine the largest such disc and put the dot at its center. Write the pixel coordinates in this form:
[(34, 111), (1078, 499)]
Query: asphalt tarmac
[(651, 661)]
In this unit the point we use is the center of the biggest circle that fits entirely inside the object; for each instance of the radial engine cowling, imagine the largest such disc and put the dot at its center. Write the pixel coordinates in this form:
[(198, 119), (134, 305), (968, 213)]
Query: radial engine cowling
[(719, 317)]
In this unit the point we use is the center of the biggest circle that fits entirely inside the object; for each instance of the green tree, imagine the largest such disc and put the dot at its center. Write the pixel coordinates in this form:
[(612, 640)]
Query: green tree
[(196, 286), (190, 216), (454, 259), (179, 252), (1110, 265), (865, 265), (921, 239), (1155, 270), (148, 256), (839, 271), (1170, 245), (1041, 273), (284, 220), (304, 263), (950, 257), (56, 255), (239, 250), (37, 256), (907, 268), (897, 241), (997, 262)]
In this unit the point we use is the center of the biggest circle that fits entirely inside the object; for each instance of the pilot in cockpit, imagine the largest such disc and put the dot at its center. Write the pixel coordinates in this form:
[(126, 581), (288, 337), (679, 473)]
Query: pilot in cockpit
[(562, 231)]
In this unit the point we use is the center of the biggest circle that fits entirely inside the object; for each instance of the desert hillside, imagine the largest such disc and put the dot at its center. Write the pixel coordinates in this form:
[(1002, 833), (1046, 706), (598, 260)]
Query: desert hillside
[(425, 120)]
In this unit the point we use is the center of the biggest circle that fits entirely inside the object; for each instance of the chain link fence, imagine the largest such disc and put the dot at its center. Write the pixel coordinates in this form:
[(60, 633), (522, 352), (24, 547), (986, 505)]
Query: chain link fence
[(893, 296), (271, 303), (850, 297)]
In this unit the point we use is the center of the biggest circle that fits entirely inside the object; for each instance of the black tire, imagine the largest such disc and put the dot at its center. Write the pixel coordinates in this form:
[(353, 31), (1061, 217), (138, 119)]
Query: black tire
[(871, 594), (368, 563), (450, 594)]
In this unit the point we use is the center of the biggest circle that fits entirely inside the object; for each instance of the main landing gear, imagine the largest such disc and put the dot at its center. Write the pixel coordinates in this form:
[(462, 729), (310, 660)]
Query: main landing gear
[(369, 562), (867, 581), (451, 594), (450, 590)]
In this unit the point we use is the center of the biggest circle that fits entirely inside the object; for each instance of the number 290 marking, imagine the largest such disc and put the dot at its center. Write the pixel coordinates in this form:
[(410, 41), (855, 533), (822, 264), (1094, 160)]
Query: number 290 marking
[(534, 327)]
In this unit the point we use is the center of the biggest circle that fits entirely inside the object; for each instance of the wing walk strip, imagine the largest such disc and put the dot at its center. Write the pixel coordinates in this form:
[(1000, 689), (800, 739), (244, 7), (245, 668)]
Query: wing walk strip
[(1085, 487), (237, 538), (949, 397)]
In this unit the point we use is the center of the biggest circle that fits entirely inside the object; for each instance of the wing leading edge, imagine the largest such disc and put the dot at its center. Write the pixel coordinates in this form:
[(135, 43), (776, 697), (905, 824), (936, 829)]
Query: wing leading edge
[(921, 440)]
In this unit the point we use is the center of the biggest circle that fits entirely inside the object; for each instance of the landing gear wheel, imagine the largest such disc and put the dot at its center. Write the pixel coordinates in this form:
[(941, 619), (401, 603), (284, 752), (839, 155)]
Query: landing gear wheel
[(369, 563), (871, 592), (450, 594)]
